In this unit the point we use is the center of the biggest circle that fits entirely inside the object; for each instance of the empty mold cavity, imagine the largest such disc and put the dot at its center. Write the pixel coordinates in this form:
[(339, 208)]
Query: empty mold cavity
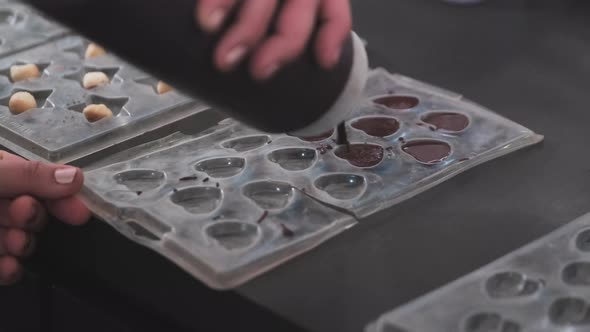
[(140, 181), (269, 195), (360, 155), (221, 167), (577, 274), (341, 186), (10, 17), (317, 138), (489, 322), (293, 159), (427, 151), (398, 102), (41, 97), (79, 74), (510, 285), (233, 235), (198, 200), (244, 144), (583, 241), (116, 105), (141, 231), (569, 311), (377, 126), (447, 121)]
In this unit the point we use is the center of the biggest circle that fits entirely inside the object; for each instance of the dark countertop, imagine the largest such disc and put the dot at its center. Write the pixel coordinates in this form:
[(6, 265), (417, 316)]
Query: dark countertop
[(527, 60)]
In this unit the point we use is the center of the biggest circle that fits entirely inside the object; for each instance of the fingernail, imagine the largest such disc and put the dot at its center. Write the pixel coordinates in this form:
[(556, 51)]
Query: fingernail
[(269, 71), (215, 20), (65, 175), (235, 55)]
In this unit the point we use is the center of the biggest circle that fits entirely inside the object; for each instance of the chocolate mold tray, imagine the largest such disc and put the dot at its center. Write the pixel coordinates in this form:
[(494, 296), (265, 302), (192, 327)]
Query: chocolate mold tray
[(222, 216), (57, 131), (22, 27), (542, 287)]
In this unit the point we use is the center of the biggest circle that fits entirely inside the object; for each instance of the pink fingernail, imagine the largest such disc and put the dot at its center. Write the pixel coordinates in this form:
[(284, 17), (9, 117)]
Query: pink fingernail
[(235, 55), (215, 20), (65, 175), (269, 71)]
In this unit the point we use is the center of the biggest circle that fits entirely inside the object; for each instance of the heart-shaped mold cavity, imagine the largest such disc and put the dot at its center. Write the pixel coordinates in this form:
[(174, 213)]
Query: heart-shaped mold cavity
[(317, 138), (489, 322), (10, 17), (293, 159), (583, 241), (341, 186), (360, 155), (377, 126), (140, 180), (244, 144), (225, 167), (269, 195), (447, 121), (569, 311), (398, 102), (510, 285), (197, 200), (233, 235), (427, 151), (576, 274)]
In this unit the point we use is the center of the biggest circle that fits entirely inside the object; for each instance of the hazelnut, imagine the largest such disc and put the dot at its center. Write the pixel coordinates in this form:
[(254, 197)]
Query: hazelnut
[(93, 50), (94, 79), (24, 72), (21, 102), (96, 112), (162, 88)]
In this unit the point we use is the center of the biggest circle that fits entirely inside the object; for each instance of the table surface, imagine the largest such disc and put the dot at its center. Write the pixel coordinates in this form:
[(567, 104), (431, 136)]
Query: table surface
[(527, 60)]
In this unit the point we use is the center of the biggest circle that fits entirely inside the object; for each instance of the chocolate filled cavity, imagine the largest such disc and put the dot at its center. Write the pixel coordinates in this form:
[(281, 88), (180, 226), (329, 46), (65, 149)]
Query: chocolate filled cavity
[(377, 126), (427, 151), (398, 102), (448, 121), (360, 155)]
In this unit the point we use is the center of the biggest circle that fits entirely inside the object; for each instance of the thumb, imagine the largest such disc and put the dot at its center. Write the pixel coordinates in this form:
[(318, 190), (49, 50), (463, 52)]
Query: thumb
[(45, 181)]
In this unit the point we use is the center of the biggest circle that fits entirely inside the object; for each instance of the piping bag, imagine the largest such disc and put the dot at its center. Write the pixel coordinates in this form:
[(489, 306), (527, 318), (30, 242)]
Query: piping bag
[(162, 38)]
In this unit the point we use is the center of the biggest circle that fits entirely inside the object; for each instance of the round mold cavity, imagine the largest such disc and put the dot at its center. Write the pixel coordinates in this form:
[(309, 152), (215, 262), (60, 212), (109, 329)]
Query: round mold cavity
[(447, 121), (269, 195), (198, 200), (583, 241), (398, 102), (428, 151), (360, 155), (293, 159), (233, 235), (140, 180), (317, 138), (378, 126), (244, 144), (569, 311), (341, 186), (511, 285), (225, 167), (10, 17), (489, 322), (576, 274)]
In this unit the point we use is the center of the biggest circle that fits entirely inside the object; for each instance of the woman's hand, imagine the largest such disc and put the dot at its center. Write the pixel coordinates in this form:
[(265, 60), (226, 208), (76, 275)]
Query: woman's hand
[(293, 30), (30, 190)]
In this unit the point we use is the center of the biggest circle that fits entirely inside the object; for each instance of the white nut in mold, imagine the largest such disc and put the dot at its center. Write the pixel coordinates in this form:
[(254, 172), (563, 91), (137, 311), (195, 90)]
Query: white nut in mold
[(24, 72), (93, 50), (21, 102), (94, 79)]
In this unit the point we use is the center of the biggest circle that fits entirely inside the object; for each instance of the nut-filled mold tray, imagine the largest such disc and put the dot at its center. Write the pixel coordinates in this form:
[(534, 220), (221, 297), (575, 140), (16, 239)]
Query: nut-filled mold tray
[(221, 215), (57, 130), (21, 27), (542, 287)]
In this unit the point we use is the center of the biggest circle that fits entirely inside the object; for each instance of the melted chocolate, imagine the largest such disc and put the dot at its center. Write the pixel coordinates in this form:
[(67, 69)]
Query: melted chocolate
[(398, 102), (317, 138), (361, 155), (447, 121), (427, 151), (377, 126)]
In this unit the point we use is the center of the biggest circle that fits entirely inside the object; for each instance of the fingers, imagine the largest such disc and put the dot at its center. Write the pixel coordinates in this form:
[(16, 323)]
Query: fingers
[(10, 270), (24, 212), (336, 26), (293, 30), (46, 181), (70, 210), (212, 13), (15, 242), (250, 27)]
